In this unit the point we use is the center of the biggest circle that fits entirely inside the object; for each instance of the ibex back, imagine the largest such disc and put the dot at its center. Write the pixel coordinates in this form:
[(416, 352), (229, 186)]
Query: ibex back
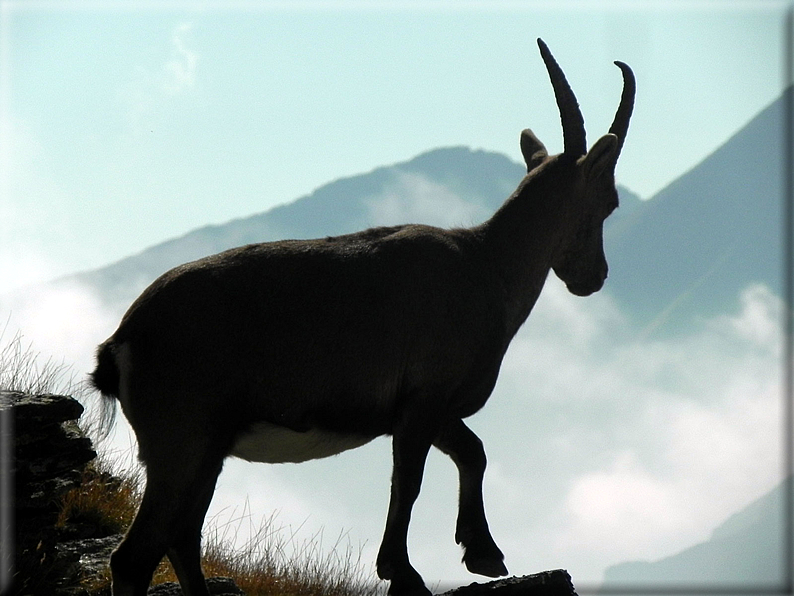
[(294, 350)]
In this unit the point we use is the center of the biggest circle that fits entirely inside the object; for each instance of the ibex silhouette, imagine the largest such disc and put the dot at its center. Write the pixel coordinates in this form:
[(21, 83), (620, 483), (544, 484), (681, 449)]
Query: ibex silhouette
[(294, 350)]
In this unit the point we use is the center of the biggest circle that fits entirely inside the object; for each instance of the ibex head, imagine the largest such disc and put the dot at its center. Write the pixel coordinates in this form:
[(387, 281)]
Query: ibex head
[(585, 178)]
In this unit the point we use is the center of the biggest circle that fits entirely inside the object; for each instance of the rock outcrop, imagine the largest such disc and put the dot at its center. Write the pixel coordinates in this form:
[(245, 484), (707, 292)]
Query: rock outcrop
[(547, 583), (50, 454), (217, 586)]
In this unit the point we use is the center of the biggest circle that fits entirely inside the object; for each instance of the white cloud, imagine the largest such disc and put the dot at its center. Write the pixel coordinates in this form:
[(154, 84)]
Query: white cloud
[(414, 198), (626, 503), (22, 264), (35, 212), (65, 322), (153, 89), (632, 449), (760, 319), (179, 72)]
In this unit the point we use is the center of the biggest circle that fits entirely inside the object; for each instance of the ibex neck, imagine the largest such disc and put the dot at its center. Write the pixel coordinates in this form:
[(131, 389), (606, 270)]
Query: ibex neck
[(520, 240)]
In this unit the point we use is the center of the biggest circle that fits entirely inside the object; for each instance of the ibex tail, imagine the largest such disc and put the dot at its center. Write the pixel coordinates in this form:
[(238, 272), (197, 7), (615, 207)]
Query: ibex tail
[(105, 378)]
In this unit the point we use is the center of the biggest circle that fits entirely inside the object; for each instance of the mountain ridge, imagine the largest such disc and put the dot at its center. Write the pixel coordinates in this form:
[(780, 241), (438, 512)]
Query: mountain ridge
[(335, 208), (710, 232), (682, 255), (746, 551)]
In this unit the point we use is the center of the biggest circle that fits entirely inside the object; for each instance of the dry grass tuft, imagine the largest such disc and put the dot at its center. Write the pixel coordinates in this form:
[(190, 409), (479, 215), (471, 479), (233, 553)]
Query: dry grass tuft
[(270, 563), (103, 500), (20, 370)]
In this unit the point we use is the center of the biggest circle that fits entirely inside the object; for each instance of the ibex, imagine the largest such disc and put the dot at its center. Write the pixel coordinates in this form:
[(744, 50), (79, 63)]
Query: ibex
[(294, 350)]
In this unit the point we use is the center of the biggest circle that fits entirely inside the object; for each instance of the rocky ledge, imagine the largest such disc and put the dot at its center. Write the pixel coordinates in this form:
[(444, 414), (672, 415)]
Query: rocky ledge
[(50, 453), (548, 583)]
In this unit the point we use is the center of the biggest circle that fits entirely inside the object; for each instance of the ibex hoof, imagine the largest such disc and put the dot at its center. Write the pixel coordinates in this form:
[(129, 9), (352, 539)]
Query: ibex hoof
[(487, 562), (405, 580), (398, 588), (487, 568)]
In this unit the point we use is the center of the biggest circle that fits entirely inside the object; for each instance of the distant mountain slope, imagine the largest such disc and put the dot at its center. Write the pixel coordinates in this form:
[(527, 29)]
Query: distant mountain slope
[(446, 187), (746, 552), (712, 231), (684, 254)]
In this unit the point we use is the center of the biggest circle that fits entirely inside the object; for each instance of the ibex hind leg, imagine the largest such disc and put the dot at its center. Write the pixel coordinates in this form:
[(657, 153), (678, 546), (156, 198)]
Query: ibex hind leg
[(185, 550), (134, 561), (481, 555), (180, 476)]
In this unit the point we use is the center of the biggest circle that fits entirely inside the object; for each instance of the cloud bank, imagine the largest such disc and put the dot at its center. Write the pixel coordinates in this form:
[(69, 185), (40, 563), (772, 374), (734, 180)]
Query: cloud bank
[(414, 198), (635, 449)]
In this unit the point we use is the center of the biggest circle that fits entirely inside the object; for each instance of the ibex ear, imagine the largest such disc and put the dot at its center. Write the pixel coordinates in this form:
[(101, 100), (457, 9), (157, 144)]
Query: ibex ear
[(601, 157), (532, 149)]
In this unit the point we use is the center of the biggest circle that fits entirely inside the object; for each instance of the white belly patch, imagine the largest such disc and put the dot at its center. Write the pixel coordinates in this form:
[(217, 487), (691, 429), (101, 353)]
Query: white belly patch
[(273, 444)]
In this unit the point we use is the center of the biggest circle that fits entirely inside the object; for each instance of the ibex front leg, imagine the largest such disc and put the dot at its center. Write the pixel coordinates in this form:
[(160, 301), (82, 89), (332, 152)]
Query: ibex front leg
[(411, 441), (481, 555)]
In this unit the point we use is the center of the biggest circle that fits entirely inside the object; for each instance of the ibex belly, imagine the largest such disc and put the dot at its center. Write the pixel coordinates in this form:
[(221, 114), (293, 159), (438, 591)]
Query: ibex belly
[(273, 444)]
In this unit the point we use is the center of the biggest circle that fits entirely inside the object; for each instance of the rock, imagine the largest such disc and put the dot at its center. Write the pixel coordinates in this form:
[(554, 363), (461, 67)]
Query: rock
[(547, 583), (218, 586), (78, 560), (50, 454), (32, 411), (51, 450)]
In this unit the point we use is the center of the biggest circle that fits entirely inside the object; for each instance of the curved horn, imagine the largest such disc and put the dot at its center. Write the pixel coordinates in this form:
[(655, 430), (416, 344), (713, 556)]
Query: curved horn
[(620, 125), (573, 133)]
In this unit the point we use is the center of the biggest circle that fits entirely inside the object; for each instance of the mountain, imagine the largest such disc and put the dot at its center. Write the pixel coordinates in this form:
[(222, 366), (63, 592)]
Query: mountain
[(683, 254), (749, 552), (696, 243), (446, 187)]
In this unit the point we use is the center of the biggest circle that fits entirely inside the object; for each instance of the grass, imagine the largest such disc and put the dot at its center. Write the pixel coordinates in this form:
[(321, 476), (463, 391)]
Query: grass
[(271, 563), (103, 500), (21, 370)]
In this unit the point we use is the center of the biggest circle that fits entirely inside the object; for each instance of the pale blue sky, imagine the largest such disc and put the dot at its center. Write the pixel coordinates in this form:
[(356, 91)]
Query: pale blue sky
[(125, 124)]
